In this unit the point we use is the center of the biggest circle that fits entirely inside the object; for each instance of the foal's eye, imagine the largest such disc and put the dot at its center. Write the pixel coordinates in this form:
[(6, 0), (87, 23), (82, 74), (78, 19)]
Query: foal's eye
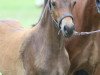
[(54, 4)]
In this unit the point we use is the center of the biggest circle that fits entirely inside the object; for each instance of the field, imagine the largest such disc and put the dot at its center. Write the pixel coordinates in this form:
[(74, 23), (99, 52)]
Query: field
[(24, 11)]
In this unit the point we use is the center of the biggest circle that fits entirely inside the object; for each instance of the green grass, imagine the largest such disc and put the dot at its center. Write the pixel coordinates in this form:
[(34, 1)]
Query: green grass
[(0, 73), (23, 10)]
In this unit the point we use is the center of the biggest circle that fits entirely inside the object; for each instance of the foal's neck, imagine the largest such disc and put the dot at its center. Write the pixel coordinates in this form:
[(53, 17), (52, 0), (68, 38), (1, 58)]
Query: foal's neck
[(49, 32), (48, 44)]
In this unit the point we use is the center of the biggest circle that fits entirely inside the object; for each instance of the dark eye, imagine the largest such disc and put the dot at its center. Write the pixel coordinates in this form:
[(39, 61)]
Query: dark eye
[(54, 4)]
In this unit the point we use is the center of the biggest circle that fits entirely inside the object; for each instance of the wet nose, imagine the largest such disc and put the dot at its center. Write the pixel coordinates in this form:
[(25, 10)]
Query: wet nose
[(68, 30)]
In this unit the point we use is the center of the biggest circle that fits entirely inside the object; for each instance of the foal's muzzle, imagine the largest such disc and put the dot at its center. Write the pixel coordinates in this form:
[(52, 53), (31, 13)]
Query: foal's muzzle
[(67, 26), (68, 31)]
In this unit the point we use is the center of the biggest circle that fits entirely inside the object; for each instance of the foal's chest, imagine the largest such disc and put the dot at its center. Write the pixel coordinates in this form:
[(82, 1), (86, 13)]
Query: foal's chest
[(55, 65), (61, 65)]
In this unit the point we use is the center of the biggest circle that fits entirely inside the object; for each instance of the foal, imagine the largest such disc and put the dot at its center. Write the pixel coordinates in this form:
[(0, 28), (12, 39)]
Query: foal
[(42, 47), (44, 53)]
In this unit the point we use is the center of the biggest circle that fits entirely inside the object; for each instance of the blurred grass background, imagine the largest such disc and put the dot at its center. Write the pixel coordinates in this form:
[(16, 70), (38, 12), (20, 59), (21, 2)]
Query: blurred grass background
[(24, 11)]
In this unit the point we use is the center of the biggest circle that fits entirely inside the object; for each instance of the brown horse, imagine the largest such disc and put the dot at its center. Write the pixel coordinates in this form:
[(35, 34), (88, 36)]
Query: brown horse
[(84, 51), (40, 50)]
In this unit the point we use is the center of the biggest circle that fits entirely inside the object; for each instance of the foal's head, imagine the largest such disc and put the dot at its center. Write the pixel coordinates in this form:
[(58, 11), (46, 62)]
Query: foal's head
[(61, 14)]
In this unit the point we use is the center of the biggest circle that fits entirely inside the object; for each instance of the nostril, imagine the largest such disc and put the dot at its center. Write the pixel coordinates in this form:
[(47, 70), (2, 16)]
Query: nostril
[(73, 28), (65, 28), (69, 30)]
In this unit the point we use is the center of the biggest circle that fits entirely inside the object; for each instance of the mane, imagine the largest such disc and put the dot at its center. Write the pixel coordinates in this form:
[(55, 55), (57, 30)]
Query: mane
[(43, 11)]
